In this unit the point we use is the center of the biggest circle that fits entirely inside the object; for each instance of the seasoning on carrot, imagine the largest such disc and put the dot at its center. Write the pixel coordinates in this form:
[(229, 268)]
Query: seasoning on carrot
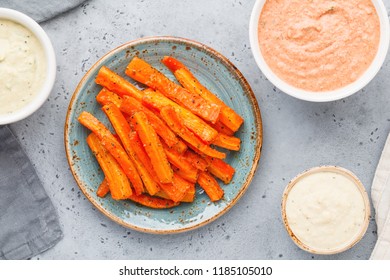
[(210, 186), (178, 159), (131, 105), (123, 130), (174, 122), (118, 183), (227, 115), (196, 160), (106, 96), (157, 101), (114, 148), (178, 189), (116, 83), (143, 72), (153, 147), (220, 169), (227, 142)]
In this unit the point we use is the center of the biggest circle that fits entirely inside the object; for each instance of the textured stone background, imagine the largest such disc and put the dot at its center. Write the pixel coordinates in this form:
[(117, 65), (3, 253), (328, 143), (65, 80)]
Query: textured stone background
[(297, 135)]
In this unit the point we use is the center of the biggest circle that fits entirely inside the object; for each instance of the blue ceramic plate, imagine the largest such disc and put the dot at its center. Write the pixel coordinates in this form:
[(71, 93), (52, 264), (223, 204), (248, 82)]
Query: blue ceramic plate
[(220, 76)]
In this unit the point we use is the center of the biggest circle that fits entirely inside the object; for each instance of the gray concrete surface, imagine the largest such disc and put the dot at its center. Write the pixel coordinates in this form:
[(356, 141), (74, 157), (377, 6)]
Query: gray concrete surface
[(297, 135)]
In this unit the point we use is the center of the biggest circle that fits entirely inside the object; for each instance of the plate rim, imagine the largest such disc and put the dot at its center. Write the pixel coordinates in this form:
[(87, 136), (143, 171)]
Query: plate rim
[(257, 117)]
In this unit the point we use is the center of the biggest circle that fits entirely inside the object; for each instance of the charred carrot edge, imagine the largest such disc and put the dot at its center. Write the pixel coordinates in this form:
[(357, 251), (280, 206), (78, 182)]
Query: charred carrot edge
[(153, 202), (210, 186), (221, 128), (227, 142), (123, 130), (106, 96), (114, 147), (227, 115), (220, 169), (204, 131), (143, 72), (196, 160), (120, 187), (153, 147), (173, 121), (116, 83), (103, 189), (177, 189), (188, 197), (131, 105)]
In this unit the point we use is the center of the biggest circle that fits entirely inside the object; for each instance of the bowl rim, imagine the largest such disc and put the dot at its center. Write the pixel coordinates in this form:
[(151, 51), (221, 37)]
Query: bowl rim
[(44, 92), (327, 168), (323, 96), (251, 97)]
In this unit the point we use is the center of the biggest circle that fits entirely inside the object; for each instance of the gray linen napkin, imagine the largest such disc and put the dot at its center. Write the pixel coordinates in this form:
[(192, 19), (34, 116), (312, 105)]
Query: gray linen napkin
[(28, 221), (41, 10)]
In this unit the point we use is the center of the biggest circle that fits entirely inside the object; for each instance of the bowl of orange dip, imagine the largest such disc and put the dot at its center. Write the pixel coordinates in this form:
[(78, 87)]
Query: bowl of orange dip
[(319, 50)]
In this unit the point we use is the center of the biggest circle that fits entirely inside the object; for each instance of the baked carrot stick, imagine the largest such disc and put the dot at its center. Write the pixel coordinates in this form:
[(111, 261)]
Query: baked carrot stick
[(177, 189), (227, 115), (221, 128), (173, 121), (220, 169), (153, 202), (227, 142), (122, 128), (182, 163), (114, 148), (157, 101), (118, 183), (116, 83), (103, 189), (131, 105), (196, 160), (190, 194), (141, 154), (106, 96), (188, 175), (188, 197), (210, 186), (153, 147), (143, 72)]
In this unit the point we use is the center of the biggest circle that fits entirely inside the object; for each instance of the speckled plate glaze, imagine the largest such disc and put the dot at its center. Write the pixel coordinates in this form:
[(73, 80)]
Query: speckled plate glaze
[(219, 75)]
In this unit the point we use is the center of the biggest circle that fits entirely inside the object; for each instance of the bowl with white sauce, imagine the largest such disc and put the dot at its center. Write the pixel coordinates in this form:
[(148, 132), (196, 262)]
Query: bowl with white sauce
[(322, 50), (325, 210), (27, 66)]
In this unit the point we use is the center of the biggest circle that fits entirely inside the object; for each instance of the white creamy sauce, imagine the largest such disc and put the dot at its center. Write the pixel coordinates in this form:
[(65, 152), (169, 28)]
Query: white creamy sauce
[(325, 210), (22, 66)]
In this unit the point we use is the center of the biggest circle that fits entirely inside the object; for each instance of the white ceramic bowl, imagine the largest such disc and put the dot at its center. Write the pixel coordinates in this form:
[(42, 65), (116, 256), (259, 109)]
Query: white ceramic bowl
[(326, 95), (43, 94), (363, 227)]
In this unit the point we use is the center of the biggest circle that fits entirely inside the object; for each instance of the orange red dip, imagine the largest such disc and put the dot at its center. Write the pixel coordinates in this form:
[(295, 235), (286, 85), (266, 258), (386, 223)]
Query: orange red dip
[(319, 45)]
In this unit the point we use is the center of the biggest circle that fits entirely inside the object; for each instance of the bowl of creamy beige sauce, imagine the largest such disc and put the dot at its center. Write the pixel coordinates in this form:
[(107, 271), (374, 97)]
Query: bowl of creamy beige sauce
[(326, 210), (27, 66), (319, 50)]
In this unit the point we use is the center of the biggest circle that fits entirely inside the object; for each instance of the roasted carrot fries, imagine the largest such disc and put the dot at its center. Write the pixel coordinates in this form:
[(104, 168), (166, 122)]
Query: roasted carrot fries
[(164, 136), (142, 72), (228, 116)]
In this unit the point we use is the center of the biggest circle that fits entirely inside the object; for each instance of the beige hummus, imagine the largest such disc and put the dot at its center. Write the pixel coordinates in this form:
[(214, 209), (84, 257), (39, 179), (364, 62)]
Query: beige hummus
[(22, 66), (319, 45)]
